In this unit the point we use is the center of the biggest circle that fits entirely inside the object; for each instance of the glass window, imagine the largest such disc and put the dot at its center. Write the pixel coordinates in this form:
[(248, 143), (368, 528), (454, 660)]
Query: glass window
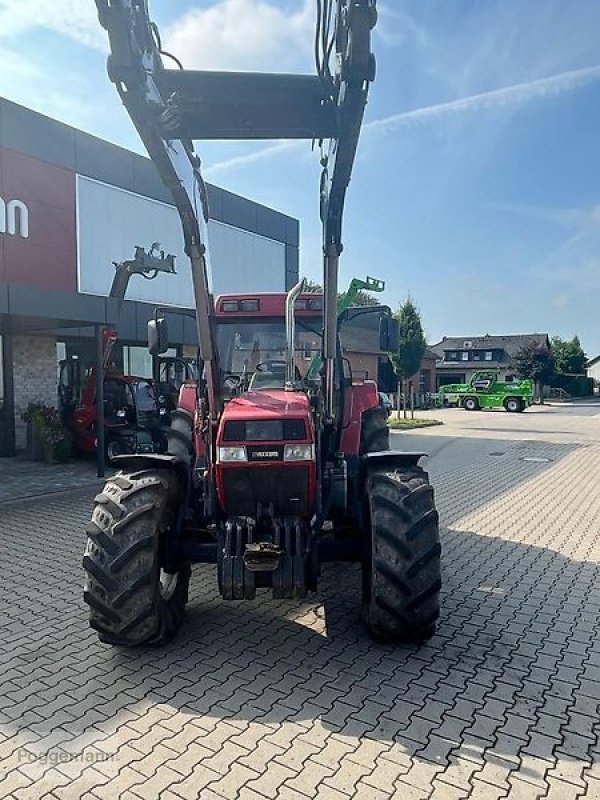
[(138, 361), (488, 355), (464, 356), (243, 345)]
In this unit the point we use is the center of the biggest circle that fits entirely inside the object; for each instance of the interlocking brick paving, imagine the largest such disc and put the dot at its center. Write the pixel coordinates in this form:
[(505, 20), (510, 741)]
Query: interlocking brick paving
[(276, 699)]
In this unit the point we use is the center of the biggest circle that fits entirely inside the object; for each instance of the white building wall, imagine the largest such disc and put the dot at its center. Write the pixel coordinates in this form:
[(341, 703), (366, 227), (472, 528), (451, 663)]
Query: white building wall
[(112, 221)]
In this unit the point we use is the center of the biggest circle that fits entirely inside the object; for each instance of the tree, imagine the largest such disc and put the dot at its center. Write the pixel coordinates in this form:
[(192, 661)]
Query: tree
[(312, 286), (411, 347), (536, 363), (569, 356), (362, 298)]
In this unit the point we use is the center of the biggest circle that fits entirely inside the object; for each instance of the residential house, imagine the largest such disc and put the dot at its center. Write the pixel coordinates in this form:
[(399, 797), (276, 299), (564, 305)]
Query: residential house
[(593, 369), (458, 357)]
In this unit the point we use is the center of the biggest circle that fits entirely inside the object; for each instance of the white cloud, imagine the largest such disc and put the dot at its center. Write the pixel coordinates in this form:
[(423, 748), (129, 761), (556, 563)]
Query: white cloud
[(75, 19), (396, 27), (242, 35)]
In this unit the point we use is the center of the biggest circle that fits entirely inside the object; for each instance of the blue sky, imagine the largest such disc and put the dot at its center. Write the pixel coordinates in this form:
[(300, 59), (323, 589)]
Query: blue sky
[(477, 186)]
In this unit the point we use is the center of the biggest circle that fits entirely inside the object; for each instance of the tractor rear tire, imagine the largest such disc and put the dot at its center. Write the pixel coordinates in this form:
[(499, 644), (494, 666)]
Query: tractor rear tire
[(401, 567), (132, 600), (374, 434), (513, 404), (470, 404), (180, 435)]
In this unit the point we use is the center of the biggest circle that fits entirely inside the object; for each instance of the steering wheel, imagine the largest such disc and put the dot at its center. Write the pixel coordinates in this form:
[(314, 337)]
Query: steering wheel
[(231, 381), (268, 366)]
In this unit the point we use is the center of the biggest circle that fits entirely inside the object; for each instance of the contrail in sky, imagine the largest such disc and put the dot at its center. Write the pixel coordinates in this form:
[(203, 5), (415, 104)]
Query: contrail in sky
[(509, 95), (497, 98)]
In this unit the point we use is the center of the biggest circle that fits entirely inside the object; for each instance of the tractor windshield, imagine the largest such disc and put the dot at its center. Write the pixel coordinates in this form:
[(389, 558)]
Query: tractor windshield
[(244, 345)]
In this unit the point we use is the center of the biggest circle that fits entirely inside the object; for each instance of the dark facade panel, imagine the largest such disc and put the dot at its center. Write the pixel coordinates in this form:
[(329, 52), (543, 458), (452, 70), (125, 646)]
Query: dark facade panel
[(292, 231), (3, 298), (190, 335), (103, 161), (292, 266), (36, 135), (239, 212), (146, 180), (68, 306), (271, 224)]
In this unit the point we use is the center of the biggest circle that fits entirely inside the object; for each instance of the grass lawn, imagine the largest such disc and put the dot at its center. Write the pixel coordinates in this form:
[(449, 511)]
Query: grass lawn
[(417, 422)]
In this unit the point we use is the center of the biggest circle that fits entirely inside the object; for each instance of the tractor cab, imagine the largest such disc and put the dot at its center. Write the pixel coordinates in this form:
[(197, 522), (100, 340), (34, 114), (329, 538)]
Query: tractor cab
[(482, 381)]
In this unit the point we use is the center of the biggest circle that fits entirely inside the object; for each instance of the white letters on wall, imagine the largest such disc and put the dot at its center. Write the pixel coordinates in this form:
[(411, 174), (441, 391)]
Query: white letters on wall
[(14, 218)]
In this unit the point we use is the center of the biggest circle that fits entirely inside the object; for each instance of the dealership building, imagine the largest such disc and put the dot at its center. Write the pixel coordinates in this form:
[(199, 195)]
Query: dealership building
[(72, 205)]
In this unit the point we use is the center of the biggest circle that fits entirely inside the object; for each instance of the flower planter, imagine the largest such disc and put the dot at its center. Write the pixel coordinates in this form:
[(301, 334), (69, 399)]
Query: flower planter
[(35, 442)]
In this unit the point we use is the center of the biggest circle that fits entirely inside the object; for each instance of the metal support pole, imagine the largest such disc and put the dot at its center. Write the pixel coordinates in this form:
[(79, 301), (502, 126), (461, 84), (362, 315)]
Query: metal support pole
[(100, 400), (7, 414)]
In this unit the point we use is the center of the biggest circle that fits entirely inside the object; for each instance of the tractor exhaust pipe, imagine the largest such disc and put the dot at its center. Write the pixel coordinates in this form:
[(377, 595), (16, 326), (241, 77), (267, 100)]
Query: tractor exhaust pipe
[(332, 259), (290, 332)]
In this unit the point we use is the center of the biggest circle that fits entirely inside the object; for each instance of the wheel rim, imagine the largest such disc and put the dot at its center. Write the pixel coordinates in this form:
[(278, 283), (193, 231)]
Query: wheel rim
[(112, 450), (167, 584), (512, 405)]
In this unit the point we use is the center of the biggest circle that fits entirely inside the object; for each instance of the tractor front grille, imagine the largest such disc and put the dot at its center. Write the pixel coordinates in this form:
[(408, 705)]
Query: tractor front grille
[(286, 487)]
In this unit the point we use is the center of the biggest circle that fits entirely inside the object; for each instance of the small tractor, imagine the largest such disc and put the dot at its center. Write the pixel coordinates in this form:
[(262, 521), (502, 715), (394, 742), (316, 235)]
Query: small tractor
[(269, 472), (485, 390)]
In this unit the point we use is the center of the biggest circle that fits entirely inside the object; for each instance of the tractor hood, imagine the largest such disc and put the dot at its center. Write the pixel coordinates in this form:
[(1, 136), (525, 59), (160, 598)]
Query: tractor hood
[(268, 404)]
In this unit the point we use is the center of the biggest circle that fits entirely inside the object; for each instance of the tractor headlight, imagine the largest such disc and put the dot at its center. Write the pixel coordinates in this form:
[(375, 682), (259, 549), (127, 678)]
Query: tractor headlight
[(299, 452), (233, 454)]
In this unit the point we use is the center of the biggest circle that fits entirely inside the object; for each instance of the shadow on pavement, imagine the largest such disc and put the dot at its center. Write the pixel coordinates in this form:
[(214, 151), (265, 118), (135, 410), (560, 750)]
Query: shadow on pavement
[(516, 634)]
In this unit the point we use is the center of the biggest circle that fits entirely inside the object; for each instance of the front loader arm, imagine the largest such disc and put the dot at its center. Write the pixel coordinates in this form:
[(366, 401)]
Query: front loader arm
[(171, 107), (135, 67)]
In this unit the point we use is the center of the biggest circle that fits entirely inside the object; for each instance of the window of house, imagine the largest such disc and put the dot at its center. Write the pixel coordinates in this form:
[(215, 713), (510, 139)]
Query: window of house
[(464, 356), (488, 355), (450, 356)]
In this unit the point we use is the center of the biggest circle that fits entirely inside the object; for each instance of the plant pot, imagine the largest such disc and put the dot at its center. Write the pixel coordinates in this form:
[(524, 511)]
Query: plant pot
[(35, 443), (49, 454)]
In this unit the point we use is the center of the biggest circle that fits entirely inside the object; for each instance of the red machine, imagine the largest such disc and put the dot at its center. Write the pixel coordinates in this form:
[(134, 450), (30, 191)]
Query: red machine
[(133, 412), (270, 471)]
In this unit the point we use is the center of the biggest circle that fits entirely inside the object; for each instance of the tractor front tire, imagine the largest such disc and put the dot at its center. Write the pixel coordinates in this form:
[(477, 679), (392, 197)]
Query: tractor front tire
[(374, 434), (470, 404), (401, 566), (132, 600)]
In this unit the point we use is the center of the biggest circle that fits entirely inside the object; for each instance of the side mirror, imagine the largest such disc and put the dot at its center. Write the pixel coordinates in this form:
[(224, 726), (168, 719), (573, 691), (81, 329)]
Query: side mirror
[(388, 334), (158, 336)]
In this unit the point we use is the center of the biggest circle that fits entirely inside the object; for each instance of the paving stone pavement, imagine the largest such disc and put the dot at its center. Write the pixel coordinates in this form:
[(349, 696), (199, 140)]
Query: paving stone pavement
[(275, 699)]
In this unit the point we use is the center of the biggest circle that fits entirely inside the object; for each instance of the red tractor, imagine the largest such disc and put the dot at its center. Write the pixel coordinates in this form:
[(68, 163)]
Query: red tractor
[(270, 471)]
